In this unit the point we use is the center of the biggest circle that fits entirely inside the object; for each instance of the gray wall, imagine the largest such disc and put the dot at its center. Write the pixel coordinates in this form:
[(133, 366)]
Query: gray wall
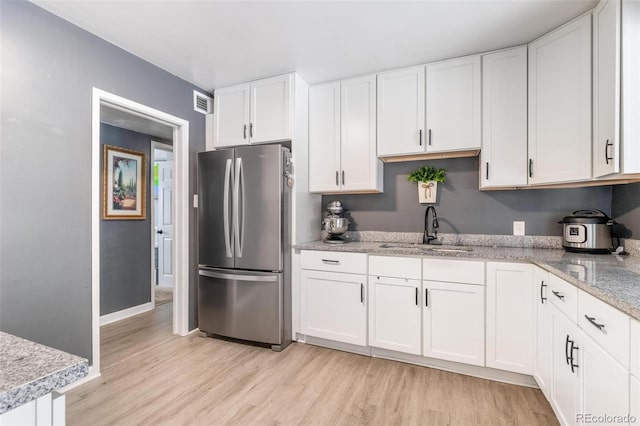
[(48, 69), (461, 207), (626, 210), (125, 245)]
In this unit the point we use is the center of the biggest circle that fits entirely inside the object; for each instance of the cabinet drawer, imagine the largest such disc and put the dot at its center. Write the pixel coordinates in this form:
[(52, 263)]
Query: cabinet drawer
[(607, 325), (634, 362), (398, 267), (564, 296), (349, 263), (455, 271)]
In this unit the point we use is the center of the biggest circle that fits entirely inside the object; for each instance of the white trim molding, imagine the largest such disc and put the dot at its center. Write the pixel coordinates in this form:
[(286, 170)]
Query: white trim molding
[(181, 210), (125, 313)]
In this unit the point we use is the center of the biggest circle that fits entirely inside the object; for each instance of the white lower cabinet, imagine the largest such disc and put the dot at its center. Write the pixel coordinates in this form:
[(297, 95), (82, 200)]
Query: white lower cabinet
[(634, 401), (510, 317), (564, 382), (543, 361), (394, 314), (453, 322), (334, 306)]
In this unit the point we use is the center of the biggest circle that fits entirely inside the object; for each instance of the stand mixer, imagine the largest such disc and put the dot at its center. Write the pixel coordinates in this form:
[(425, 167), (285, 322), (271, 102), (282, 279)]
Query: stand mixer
[(335, 223)]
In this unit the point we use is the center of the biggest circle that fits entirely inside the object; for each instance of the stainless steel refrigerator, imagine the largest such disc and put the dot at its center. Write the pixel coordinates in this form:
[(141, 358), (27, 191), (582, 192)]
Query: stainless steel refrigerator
[(244, 244)]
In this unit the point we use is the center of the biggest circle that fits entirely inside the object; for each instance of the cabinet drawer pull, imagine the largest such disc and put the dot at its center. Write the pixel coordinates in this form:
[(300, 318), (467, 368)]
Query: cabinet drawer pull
[(426, 297), (337, 178), (343, 178), (606, 152), (417, 291), (573, 364), (558, 295), (251, 130), (592, 320), (566, 349), (244, 132), (420, 136), (542, 298), (361, 293), (429, 136), (487, 173), (331, 262), (530, 167)]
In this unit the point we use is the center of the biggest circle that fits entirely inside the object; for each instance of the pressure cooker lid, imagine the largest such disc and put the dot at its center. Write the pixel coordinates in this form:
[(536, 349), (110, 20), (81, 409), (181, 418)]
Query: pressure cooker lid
[(588, 216)]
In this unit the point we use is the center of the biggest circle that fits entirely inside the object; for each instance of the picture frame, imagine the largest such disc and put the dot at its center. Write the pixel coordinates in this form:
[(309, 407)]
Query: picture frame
[(124, 184)]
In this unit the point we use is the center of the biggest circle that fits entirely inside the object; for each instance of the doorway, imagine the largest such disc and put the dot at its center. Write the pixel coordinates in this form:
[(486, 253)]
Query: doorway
[(179, 211), (162, 222)]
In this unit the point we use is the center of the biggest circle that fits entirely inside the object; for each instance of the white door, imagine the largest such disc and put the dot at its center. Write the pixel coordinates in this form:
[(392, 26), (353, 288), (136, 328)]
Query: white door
[(560, 104), (510, 316), (453, 322), (564, 385), (334, 306), (395, 306), (231, 116), (164, 223), (358, 135), (401, 112), (324, 137), (606, 88), (453, 105), (543, 363), (270, 116), (504, 118), (604, 383)]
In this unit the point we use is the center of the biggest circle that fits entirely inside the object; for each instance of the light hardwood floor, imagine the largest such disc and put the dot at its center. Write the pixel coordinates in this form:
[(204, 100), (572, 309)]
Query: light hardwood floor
[(151, 377)]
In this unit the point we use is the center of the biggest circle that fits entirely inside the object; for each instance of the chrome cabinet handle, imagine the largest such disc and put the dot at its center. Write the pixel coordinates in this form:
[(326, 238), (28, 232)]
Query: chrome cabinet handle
[(542, 298), (244, 132), (592, 320), (420, 136), (331, 262), (606, 151), (558, 295)]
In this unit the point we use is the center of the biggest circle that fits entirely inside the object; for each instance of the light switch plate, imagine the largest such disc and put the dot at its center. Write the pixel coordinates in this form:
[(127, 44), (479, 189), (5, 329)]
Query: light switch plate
[(518, 227), (195, 201)]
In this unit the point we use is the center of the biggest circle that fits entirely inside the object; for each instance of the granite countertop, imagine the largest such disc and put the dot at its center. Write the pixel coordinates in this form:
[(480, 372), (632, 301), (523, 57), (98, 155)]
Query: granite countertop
[(29, 370), (611, 278)]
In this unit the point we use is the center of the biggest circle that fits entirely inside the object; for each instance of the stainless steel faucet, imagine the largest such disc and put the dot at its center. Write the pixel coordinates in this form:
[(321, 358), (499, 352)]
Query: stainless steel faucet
[(428, 238)]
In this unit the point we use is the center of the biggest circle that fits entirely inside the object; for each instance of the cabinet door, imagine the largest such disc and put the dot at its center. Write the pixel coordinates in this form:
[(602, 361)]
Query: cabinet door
[(604, 383), (453, 322), (510, 317), (543, 362), (560, 104), (564, 387), (394, 314), (504, 118), (634, 401), (324, 137), (606, 88), (401, 112), (361, 169), (334, 306), (270, 119), (231, 116), (453, 105)]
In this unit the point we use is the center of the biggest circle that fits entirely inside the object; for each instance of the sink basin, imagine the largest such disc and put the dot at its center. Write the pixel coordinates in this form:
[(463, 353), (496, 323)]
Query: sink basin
[(427, 248)]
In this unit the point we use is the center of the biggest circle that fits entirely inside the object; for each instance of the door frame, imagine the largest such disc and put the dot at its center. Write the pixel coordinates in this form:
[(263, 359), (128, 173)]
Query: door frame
[(180, 209), (163, 147)]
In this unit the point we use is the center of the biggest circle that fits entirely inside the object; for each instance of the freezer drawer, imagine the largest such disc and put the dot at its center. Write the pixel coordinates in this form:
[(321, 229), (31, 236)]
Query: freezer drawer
[(241, 304)]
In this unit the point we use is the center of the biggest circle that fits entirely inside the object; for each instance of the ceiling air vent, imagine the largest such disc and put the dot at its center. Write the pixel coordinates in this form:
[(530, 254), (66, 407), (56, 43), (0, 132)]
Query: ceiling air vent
[(202, 103)]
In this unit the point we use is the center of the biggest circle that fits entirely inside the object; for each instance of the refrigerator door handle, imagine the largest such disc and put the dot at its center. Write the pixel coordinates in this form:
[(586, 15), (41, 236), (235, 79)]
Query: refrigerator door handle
[(237, 193), (237, 277), (225, 204)]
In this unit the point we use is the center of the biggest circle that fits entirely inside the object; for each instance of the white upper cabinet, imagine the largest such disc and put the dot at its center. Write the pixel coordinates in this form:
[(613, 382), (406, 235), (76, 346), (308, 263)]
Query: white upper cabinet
[(324, 137), (342, 137), (504, 118), (231, 116), (271, 109), (606, 88), (256, 112), (401, 103), (453, 105), (560, 104)]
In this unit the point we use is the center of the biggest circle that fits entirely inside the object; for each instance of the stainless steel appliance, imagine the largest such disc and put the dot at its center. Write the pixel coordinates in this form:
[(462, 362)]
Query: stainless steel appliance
[(244, 244), (335, 223), (587, 231)]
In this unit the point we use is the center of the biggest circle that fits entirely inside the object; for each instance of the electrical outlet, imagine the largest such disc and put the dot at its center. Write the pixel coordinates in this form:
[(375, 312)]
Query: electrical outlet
[(518, 227)]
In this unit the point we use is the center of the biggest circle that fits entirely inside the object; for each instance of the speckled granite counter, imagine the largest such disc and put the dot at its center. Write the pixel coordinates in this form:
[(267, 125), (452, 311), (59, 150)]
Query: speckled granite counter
[(613, 279), (29, 370)]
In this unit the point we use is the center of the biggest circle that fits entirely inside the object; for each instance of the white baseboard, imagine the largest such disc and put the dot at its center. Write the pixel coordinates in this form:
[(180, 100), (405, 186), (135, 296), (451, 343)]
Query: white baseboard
[(195, 330), (125, 313), (92, 375)]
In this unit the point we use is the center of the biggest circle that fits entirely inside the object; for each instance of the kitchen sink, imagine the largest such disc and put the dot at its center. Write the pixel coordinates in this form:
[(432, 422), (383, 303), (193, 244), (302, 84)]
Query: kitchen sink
[(427, 248)]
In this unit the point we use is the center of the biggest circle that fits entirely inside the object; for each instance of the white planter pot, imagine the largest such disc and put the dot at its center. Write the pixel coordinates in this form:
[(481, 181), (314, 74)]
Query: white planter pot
[(427, 191)]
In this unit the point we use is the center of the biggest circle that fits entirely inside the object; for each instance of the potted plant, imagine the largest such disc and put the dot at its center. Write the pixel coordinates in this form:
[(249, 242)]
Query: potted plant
[(427, 178)]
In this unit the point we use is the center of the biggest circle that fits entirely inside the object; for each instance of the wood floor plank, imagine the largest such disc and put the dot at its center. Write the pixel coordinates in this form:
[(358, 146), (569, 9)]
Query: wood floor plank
[(153, 377)]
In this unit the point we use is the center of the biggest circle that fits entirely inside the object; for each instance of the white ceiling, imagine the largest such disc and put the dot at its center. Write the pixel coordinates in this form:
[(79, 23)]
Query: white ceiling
[(217, 43), (126, 120)]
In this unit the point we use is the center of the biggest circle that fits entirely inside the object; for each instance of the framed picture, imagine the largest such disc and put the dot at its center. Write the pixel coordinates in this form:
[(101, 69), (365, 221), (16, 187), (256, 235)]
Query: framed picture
[(124, 184)]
